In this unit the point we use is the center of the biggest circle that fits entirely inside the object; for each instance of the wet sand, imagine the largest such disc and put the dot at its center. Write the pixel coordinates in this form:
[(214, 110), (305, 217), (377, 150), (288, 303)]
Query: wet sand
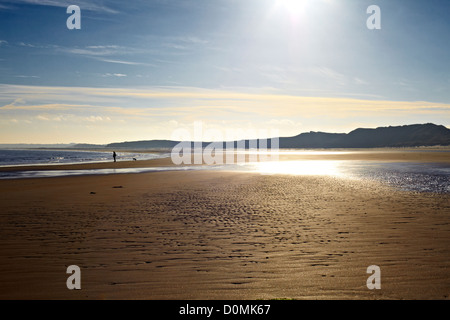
[(220, 235)]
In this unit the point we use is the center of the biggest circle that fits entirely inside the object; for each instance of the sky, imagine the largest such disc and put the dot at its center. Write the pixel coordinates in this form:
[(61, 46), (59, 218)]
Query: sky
[(140, 70)]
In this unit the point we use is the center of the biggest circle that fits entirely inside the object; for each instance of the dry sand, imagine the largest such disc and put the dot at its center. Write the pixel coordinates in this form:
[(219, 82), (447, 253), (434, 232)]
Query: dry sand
[(220, 235)]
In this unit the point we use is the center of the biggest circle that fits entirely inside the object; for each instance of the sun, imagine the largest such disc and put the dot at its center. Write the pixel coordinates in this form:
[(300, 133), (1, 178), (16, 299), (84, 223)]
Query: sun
[(293, 6)]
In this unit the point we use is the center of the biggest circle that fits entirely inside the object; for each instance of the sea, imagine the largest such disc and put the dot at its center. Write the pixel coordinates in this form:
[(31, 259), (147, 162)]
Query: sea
[(24, 157), (409, 176)]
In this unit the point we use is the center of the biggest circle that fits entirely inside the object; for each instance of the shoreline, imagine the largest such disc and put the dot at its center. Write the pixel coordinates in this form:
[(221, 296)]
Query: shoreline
[(390, 155)]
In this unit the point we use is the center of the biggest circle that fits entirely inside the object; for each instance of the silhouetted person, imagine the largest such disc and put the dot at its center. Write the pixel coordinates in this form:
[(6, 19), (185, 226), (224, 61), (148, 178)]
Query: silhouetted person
[(114, 156)]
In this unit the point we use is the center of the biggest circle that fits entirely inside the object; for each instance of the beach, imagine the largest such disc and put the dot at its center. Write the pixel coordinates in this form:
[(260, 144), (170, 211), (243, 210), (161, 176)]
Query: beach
[(223, 235)]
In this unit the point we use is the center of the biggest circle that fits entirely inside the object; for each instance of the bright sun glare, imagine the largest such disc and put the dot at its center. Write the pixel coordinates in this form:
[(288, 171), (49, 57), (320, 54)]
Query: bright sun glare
[(293, 6), (316, 167)]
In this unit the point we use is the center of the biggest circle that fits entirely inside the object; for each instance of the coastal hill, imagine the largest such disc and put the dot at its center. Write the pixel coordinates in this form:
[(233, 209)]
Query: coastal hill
[(401, 136), (393, 136)]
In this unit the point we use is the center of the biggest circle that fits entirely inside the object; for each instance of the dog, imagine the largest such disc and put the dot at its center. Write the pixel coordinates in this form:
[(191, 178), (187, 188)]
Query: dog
[(134, 159)]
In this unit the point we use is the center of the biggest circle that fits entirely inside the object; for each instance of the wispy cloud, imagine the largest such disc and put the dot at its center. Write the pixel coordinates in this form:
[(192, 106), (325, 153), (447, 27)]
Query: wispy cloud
[(107, 53), (5, 7), (180, 99), (191, 39), (139, 113), (48, 107), (104, 47), (37, 46), (183, 42), (97, 51), (92, 5), (104, 53), (330, 74), (133, 63), (360, 81), (71, 118), (23, 44), (25, 76), (114, 75)]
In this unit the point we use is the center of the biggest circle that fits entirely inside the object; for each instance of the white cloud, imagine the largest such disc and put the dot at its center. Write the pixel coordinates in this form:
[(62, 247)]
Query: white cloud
[(105, 52), (23, 44), (43, 118), (101, 50), (114, 75), (18, 101), (103, 47), (96, 118), (191, 39), (24, 76), (182, 43), (91, 51), (127, 62)]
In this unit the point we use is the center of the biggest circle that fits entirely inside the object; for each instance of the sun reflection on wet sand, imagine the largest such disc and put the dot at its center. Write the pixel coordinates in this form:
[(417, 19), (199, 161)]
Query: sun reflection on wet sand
[(304, 167)]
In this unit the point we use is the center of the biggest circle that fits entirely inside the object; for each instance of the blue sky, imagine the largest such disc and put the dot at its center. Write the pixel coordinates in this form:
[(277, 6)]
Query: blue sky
[(141, 69)]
